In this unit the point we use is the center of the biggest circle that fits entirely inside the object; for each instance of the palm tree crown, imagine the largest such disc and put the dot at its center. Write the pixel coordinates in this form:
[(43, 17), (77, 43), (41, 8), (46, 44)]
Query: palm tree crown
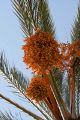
[(55, 87)]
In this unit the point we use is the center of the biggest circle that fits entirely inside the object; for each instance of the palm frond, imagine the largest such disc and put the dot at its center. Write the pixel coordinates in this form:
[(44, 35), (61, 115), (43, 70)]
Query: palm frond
[(58, 78), (13, 75), (21, 108), (62, 84), (77, 85), (33, 14), (45, 21), (46, 108), (75, 35), (9, 116), (20, 80)]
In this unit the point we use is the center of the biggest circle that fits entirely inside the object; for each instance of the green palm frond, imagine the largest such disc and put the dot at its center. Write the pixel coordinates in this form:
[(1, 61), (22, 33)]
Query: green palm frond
[(46, 108), (13, 75), (9, 116), (77, 85), (58, 78), (75, 35), (45, 21), (33, 14), (36, 117), (61, 83), (20, 80)]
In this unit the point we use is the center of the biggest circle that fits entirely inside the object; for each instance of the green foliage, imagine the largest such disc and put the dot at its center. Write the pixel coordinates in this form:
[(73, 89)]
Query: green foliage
[(8, 116), (76, 27), (12, 74), (58, 76), (77, 85), (76, 36), (33, 14), (45, 21)]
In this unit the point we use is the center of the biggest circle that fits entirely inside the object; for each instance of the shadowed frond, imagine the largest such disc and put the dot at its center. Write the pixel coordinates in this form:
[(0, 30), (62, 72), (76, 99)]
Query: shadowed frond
[(33, 14), (77, 85), (46, 108), (61, 83), (58, 75)]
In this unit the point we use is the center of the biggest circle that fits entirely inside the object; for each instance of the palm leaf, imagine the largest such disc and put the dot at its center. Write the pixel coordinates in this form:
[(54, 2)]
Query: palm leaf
[(77, 85), (13, 75), (58, 78), (46, 108), (75, 35), (61, 79), (33, 14), (9, 116), (45, 21), (21, 108)]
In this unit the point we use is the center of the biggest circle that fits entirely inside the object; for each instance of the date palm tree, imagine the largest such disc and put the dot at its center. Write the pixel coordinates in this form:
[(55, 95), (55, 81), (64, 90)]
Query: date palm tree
[(63, 99)]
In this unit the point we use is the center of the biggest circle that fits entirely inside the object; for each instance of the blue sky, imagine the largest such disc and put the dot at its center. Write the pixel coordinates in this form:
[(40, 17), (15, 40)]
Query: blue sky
[(11, 37)]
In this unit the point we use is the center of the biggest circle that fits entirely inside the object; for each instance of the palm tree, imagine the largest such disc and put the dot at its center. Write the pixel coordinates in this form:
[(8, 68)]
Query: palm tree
[(63, 100)]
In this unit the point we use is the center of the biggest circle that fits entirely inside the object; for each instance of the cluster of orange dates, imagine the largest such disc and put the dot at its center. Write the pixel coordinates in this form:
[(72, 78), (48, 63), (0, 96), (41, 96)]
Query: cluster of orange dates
[(41, 53), (39, 88)]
